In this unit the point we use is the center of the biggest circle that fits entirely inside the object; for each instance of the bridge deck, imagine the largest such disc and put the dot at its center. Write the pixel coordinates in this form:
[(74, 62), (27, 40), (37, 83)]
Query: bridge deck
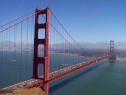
[(54, 75)]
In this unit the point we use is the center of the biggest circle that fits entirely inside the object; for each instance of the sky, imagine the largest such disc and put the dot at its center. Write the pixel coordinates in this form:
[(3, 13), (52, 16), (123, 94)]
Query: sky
[(86, 20)]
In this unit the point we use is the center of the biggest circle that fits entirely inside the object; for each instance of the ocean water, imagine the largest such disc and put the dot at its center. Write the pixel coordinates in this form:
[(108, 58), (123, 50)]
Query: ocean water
[(16, 67), (102, 78)]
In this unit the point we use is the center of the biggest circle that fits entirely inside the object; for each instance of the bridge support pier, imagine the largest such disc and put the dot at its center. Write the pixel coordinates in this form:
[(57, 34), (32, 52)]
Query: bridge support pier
[(41, 41), (112, 59)]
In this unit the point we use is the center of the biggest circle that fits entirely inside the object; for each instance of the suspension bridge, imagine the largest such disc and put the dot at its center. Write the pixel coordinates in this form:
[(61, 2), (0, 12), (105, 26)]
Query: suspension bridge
[(38, 42)]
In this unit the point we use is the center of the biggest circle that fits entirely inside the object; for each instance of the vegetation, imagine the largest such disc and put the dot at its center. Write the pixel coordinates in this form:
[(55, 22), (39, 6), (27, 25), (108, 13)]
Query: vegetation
[(22, 91)]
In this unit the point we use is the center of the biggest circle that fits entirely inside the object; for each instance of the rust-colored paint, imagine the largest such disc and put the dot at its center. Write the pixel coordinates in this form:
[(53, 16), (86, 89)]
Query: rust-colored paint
[(112, 52), (37, 41)]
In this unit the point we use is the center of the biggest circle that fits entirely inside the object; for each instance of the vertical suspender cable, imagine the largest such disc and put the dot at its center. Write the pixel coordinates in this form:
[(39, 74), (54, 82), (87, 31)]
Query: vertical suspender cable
[(54, 45), (26, 63), (21, 56), (14, 75), (15, 52)]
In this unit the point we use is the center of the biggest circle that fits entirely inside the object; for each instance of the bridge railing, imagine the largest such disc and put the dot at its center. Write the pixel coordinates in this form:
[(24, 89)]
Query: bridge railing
[(17, 44)]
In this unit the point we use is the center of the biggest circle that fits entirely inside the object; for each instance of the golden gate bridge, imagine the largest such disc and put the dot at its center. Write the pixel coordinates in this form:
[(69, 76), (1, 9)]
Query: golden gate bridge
[(36, 35)]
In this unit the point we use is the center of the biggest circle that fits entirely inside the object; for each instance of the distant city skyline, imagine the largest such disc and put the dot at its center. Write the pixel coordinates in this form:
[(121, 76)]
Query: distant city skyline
[(86, 20)]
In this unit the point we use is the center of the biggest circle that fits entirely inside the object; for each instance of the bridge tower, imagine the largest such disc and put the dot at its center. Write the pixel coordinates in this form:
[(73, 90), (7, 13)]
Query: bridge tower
[(112, 59), (41, 41)]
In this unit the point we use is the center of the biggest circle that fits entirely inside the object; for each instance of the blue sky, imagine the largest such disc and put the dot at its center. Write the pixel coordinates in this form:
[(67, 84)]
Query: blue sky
[(86, 20)]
